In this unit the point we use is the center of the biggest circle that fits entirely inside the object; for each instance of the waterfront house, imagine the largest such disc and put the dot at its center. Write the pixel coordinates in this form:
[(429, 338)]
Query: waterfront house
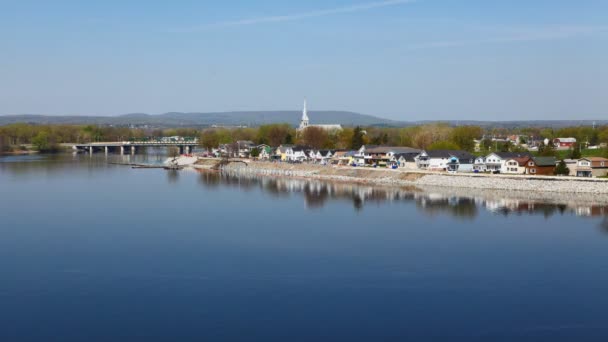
[(266, 152), (297, 153), (406, 160), (541, 166), (497, 161), (445, 160), (592, 167), (479, 165), (244, 148), (516, 165), (344, 157), (381, 155), (282, 152), (571, 164)]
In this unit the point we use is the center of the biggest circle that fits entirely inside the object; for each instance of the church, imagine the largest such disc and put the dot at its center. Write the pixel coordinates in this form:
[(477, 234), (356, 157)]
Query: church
[(304, 123)]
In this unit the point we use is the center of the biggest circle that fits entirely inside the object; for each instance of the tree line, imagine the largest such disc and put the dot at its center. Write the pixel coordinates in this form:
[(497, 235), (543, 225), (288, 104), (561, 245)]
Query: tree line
[(47, 138)]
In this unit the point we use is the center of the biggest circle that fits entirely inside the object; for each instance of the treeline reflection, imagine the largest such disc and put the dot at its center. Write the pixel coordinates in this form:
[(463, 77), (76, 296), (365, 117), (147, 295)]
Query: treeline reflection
[(437, 202)]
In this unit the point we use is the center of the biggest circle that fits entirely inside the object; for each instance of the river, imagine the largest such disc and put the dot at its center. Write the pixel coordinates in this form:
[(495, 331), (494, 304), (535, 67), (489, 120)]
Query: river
[(91, 251)]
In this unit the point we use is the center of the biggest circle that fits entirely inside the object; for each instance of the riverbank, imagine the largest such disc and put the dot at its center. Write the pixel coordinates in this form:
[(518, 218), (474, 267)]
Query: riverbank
[(408, 178)]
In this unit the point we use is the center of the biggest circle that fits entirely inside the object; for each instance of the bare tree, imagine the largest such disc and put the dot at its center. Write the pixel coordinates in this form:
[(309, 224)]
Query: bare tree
[(315, 137)]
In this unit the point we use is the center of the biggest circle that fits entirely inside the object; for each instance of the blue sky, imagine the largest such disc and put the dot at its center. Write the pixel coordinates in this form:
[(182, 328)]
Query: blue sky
[(406, 60)]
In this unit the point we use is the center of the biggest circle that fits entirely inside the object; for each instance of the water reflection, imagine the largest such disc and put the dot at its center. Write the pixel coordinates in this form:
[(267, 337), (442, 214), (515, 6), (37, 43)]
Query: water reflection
[(458, 203)]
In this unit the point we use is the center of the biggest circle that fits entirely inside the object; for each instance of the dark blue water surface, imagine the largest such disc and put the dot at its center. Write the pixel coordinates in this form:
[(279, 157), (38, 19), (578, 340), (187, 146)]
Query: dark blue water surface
[(91, 251)]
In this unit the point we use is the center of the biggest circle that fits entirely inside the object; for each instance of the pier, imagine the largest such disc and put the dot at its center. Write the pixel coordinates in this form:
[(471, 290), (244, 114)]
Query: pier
[(186, 146)]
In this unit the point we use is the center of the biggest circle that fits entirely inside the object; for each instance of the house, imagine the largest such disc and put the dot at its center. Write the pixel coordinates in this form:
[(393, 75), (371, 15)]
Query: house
[(244, 148), (266, 152), (381, 155), (344, 157), (516, 165), (564, 143), (497, 161), (572, 165), (592, 167), (541, 166), (445, 160), (281, 152), (406, 160), (320, 156), (297, 153), (480, 164)]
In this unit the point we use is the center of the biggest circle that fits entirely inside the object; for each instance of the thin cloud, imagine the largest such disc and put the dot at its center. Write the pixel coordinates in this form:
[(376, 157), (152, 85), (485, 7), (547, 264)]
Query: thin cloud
[(298, 16), (543, 34)]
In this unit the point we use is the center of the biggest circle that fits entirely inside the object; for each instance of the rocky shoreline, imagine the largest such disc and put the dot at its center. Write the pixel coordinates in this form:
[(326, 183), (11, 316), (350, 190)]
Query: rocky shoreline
[(409, 178)]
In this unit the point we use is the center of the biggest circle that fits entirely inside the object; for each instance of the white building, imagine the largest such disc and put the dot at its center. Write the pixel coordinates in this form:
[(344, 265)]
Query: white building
[(305, 122)]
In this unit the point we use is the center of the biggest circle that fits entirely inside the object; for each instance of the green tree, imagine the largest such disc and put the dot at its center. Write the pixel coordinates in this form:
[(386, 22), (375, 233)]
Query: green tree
[(43, 142), (209, 139), (255, 152), (357, 140), (562, 169), (546, 150), (575, 152), (464, 136)]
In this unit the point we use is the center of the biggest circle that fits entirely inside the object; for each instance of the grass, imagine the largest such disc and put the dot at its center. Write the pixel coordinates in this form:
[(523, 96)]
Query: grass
[(584, 153)]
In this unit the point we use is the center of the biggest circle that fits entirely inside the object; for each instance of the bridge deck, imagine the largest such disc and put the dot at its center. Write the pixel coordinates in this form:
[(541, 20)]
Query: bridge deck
[(136, 144)]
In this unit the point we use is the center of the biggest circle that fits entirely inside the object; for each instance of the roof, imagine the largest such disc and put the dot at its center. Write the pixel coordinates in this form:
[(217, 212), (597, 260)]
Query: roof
[(565, 140), (461, 155), (283, 148), (300, 148), (597, 161), (512, 155), (522, 161), (544, 161), (387, 149), (327, 127), (407, 156)]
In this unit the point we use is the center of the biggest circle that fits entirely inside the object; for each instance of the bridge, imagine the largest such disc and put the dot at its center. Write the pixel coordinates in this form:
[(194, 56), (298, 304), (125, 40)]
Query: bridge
[(185, 145)]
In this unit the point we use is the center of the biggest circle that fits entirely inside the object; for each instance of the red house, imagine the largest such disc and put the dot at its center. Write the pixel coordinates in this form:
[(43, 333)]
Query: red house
[(564, 142)]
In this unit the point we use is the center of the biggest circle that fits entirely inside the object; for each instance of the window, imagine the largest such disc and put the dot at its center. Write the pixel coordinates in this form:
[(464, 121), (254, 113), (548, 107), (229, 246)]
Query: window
[(531, 163), (532, 170)]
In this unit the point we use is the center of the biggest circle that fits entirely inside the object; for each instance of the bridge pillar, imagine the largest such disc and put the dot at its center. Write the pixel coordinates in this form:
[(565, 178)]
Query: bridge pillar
[(90, 149), (106, 148), (122, 150), (187, 149), (132, 149)]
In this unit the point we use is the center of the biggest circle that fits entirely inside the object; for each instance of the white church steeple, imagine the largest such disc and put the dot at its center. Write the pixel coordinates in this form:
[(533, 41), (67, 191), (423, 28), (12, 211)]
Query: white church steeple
[(304, 122)]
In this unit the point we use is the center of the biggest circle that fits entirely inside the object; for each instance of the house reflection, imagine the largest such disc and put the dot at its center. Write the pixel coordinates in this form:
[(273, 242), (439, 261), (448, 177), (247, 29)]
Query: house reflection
[(461, 204)]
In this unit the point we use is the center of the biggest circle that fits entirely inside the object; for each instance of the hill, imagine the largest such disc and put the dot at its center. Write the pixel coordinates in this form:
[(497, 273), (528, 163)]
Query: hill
[(252, 119), (206, 119)]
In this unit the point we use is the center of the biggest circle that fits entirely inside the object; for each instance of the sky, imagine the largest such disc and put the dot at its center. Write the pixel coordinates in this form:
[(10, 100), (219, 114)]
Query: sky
[(398, 59)]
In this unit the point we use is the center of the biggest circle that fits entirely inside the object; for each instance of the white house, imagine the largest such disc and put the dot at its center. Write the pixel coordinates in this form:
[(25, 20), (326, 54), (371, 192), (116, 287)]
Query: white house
[(480, 164), (497, 161), (516, 165), (445, 160)]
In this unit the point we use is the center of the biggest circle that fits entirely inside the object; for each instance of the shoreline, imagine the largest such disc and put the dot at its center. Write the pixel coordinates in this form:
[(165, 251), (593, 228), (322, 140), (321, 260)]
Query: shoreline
[(417, 178)]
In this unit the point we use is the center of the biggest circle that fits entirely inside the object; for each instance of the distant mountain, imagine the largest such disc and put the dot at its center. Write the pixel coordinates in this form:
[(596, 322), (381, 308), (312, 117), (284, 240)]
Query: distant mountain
[(207, 119), (253, 119)]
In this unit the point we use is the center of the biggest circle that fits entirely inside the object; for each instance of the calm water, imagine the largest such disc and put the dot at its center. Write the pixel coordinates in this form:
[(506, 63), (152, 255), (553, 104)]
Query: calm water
[(97, 252)]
